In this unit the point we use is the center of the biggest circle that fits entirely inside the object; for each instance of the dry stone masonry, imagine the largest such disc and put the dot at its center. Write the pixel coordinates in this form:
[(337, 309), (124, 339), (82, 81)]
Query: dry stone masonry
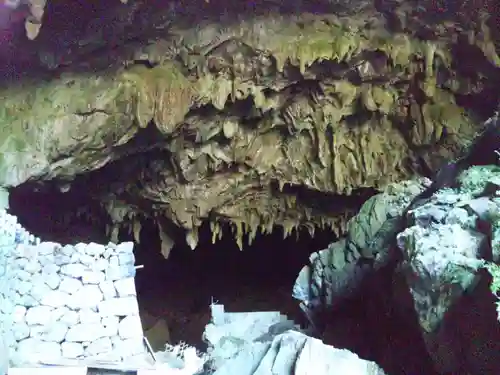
[(67, 302)]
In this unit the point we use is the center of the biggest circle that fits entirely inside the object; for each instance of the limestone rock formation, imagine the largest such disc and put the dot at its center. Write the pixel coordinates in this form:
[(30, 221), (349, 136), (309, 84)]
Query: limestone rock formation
[(246, 115), (438, 240)]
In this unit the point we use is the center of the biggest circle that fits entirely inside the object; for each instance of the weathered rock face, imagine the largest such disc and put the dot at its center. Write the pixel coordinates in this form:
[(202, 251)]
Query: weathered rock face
[(275, 115)]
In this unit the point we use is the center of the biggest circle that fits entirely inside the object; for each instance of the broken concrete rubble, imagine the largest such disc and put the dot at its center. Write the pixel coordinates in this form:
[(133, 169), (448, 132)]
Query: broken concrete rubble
[(263, 342)]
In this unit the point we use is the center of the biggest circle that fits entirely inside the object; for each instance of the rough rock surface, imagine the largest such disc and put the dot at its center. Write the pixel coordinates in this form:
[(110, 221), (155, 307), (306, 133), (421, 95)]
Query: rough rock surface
[(248, 118), (440, 254), (448, 242)]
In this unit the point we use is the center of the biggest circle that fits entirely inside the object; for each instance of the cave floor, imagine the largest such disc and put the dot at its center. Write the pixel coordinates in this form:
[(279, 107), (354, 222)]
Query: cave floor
[(187, 313)]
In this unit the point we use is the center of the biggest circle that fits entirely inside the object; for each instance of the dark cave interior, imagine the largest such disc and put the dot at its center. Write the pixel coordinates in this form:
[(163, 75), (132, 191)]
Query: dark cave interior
[(259, 278)]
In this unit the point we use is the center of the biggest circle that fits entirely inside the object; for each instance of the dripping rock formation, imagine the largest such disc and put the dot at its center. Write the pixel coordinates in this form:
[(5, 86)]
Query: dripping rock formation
[(139, 118), (249, 116)]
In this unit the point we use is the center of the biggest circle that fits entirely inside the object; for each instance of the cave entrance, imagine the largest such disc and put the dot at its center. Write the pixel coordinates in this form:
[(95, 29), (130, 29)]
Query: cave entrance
[(175, 294), (260, 277)]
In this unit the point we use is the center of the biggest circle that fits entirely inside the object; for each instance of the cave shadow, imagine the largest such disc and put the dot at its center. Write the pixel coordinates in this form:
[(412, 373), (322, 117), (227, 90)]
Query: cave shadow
[(373, 324), (258, 278)]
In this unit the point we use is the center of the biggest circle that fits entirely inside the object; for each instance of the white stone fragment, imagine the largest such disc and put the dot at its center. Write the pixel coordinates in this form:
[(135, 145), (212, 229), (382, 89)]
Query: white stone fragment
[(70, 318), (92, 277), (39, 289), (72, 350), (73, 270), (67, 250), (125, 247), (108, 289), (21, 331), (50, 268), (100, 265), (33, 350), (45, 248), (125, 287), (38, 315), (88, 296), (33, 266), (99, 346), (81, 247), (58, 312), (51, 279), (118, 306), (22, 287), (23, 275), (61, 259), (89, 316), (84, 332), (130, 327), (19, 314), (55, 332), (110, 325), (70, 285), (55, 298), (126, 258), (95, 249), (128, 347)]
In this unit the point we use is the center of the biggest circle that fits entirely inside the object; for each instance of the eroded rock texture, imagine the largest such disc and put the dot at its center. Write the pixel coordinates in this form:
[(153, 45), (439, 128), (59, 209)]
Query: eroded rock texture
[(252, 114)]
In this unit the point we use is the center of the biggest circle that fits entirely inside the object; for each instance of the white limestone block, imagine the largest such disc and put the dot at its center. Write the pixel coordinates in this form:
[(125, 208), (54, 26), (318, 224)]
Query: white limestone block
[(108, 289), (70, 285), (23, 275), (75, 270), (88, 296), (128, 347), (18, 314), (50, 268), (84, 332), (55, 298), (21, 331), (89, 316), (46, 260), (110, 325), (81, 247), (95, 249), (126, 258), (51, 279), (130, 327), (125, 287), (33, 350), (55, 332), (93, 277), (70, 318), (100, 265), (125, 247), (72, 350), (39, 289), (67, 250), (38, 315), (99, 346), (118, 306), (33, 266), (22, 287), (61, 259), (7, 306), (46, 248)]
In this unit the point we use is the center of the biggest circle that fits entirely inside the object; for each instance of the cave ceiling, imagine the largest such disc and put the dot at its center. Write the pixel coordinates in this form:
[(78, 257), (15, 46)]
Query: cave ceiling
[(250, 114)]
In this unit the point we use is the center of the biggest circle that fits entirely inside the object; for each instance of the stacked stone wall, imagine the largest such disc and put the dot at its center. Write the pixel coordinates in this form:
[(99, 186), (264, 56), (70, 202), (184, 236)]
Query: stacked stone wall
[(60, 303)]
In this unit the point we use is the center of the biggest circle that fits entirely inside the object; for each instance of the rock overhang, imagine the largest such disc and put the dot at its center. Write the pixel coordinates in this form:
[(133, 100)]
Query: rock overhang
[(332, 103)]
